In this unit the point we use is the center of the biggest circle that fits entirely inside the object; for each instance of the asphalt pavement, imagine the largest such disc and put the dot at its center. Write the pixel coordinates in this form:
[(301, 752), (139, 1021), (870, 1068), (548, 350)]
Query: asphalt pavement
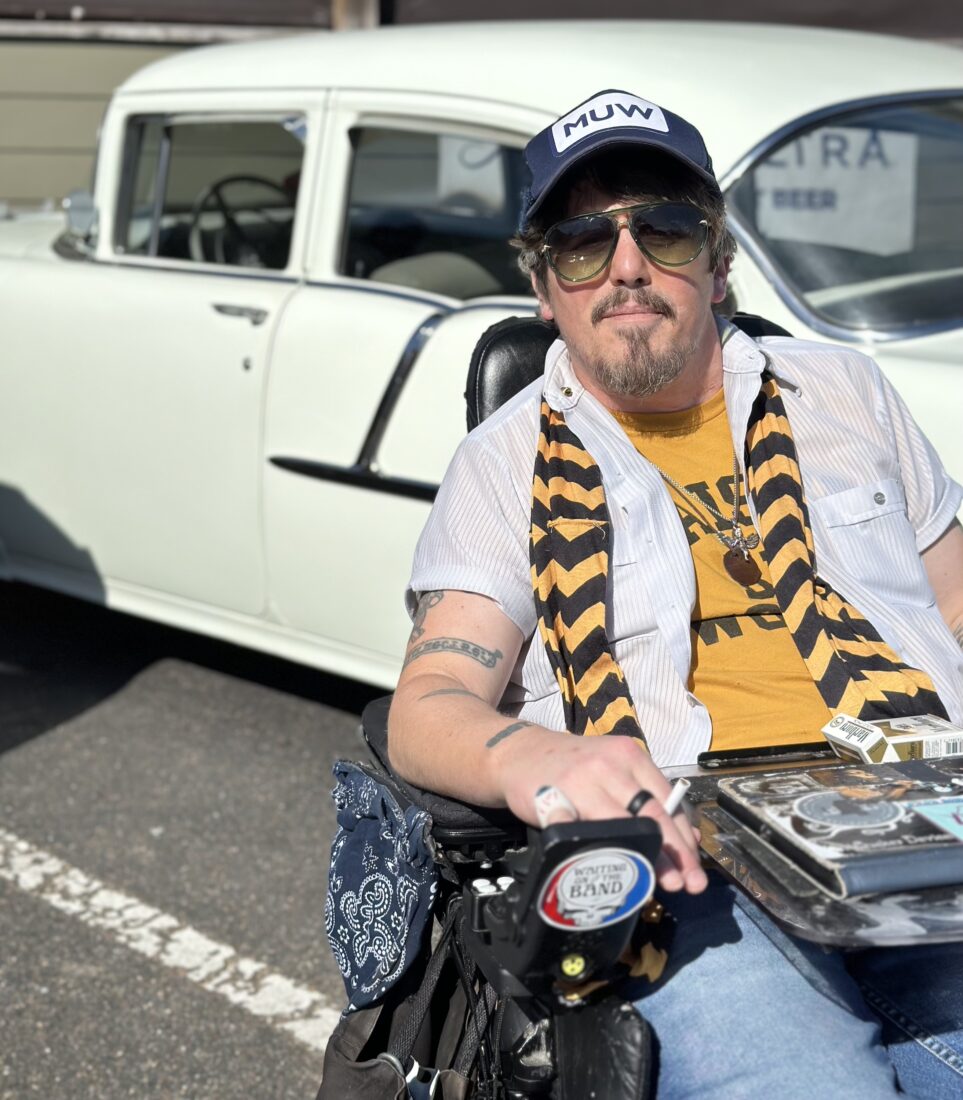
[(164, 827)]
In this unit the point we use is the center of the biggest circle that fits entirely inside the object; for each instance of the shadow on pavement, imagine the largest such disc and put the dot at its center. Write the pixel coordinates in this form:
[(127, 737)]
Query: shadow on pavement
[(59, 656)]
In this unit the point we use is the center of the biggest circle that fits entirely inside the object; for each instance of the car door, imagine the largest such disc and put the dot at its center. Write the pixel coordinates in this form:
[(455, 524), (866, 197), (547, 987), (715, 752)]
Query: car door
[(138, 411), (409, 264)]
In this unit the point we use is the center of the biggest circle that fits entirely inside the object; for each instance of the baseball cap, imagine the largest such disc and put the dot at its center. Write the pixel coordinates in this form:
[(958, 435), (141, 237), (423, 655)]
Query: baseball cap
[(611, 117)]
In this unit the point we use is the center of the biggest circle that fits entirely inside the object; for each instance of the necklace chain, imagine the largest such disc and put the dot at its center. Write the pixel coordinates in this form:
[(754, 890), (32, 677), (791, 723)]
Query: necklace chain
[(737, 540)]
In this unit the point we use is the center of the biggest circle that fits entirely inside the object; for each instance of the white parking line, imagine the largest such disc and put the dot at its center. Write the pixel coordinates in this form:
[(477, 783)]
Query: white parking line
[(306, 1014)]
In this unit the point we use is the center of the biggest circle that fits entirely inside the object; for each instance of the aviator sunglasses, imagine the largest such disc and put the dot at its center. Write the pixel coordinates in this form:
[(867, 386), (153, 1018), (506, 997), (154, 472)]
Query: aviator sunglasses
[(670, 234)]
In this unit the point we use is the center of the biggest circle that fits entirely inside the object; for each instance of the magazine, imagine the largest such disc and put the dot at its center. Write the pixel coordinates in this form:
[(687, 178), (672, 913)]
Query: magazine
[(866, 829)]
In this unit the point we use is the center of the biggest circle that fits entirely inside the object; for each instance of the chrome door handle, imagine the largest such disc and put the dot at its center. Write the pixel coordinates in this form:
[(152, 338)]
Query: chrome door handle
[(251, 313)]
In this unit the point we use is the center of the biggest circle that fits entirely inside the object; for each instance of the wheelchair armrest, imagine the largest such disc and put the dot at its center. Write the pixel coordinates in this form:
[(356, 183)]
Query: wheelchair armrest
[(455, 822)]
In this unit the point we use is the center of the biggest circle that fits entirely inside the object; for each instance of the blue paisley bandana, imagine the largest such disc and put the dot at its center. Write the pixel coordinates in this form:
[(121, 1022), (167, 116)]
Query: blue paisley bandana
[(381, 885)]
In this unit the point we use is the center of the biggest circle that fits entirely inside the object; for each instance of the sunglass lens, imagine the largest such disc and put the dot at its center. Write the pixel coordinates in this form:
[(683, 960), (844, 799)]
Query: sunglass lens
[(674, 233), (580, 247)]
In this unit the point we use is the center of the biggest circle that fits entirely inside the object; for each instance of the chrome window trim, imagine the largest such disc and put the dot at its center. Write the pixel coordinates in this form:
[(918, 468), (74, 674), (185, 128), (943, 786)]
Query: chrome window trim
[(130, 154), (748, 241)]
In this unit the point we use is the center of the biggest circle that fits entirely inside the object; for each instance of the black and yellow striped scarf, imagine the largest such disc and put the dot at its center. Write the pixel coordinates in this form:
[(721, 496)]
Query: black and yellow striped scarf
[(855, 671), (569, 556)]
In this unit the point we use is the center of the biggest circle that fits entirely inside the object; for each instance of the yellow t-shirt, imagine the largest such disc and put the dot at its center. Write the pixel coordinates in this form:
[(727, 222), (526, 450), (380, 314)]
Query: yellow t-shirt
[(746, 668)]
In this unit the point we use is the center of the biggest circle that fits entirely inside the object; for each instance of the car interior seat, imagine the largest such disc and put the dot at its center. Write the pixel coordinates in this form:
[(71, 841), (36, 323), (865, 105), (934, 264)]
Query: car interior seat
[(448, 273)]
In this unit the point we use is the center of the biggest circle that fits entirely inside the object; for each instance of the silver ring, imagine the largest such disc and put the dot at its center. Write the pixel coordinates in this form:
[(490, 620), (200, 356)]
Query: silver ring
[(548, 800)]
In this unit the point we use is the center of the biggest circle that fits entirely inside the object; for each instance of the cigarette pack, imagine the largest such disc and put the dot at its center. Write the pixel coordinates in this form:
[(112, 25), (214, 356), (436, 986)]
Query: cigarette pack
[(922, 737)]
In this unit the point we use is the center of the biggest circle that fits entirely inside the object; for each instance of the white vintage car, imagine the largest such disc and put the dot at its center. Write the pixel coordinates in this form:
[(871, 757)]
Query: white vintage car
[(226, 402)]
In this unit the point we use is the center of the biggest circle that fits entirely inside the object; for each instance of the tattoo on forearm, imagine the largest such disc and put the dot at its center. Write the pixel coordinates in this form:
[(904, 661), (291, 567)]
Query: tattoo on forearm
[(506, 732), (487, 657), (451, 691), (427, 601)]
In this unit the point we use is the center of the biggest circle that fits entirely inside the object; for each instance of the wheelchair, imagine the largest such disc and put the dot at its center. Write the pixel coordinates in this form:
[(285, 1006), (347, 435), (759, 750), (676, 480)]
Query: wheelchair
[(515, 995), (525, 959)]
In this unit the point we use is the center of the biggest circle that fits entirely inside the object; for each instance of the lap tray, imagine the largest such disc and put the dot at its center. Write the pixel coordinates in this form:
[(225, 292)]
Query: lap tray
[(799, 904), (793, 899)]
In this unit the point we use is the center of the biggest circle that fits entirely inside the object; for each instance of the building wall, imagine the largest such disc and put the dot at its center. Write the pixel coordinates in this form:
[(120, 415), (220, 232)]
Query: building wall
[(922, 18), (53, 92), (52, 98), (297, 13)]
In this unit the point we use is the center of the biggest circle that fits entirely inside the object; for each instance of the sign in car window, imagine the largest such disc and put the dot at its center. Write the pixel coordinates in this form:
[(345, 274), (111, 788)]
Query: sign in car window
[(471, 175), (846, 186)]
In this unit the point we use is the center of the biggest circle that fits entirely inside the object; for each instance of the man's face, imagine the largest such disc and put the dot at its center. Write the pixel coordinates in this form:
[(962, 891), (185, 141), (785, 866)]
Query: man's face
[(636, 326)]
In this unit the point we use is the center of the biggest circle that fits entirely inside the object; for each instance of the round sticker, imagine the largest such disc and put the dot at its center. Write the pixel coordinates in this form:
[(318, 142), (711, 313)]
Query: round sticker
[(834, 808), (596, 888)]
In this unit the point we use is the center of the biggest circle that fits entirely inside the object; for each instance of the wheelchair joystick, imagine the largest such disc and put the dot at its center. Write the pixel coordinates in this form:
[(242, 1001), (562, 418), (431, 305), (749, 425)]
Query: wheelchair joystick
[(564, 912)]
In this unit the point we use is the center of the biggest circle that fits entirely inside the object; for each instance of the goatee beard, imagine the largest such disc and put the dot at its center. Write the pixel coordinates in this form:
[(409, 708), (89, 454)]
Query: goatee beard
[(640, 371)]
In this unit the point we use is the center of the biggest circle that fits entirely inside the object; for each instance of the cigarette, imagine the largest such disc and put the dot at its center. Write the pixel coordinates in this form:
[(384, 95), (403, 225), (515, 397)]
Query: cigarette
[(678, 792)]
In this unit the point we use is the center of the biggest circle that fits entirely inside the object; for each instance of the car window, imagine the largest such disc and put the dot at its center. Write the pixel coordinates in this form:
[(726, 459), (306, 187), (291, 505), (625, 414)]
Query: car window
[(862, 215), (434, 211), (212, 190)]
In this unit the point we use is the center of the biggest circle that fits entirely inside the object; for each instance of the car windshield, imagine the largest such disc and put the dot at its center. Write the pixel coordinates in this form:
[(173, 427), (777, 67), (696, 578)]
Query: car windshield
[(862, 215)]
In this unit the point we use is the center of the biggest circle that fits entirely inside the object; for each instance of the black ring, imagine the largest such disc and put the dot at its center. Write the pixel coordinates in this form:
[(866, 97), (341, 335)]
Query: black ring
[(638, 801)]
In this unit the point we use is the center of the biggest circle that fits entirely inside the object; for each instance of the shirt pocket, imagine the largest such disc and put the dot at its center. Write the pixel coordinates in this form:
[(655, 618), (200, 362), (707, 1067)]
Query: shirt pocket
[(630, 611), (871, 539)]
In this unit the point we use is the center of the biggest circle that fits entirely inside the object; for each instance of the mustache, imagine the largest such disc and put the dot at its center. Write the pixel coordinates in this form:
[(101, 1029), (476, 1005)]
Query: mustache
[(647, 299)]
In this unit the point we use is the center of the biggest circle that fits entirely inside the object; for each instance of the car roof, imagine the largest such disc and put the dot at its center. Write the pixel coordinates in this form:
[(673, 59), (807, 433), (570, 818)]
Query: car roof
[(738, 82)]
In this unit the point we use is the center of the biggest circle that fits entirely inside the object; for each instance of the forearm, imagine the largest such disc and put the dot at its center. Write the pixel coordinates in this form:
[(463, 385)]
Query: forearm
[(445, 738), (445, 734), (444, 730)]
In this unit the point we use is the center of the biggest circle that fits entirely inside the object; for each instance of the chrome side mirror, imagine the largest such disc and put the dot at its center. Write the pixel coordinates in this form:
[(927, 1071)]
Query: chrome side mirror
[(81, 214)]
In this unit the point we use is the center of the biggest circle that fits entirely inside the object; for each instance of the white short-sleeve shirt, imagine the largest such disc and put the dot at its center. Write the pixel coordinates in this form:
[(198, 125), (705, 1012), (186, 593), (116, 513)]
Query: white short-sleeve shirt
[(877, 492)]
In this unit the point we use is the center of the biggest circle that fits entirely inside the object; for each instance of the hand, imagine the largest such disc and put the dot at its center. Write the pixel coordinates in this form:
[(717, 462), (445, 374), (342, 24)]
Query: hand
[(599, 776)]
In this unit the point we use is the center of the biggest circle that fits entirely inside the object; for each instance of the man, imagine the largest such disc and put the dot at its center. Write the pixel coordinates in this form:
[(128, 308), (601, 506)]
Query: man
[(697, 540)]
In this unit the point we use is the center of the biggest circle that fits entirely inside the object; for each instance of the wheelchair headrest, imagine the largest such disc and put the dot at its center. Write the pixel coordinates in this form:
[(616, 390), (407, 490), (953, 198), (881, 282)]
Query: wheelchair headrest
[(511, 354)]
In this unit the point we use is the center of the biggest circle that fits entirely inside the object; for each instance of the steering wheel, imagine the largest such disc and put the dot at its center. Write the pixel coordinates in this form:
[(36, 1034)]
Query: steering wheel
[(249, 251)]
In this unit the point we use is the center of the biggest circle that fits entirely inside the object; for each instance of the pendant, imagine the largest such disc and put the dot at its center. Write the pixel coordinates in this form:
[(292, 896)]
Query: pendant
[(741, 568)]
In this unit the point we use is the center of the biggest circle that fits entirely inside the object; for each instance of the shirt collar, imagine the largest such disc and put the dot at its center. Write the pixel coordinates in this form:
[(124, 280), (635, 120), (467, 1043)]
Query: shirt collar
[(743, 355), (561, 388), (740, 353)]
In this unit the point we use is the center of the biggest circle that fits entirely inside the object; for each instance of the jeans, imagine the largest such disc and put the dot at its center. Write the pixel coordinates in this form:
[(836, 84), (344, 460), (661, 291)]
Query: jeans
[(746, 1012)]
